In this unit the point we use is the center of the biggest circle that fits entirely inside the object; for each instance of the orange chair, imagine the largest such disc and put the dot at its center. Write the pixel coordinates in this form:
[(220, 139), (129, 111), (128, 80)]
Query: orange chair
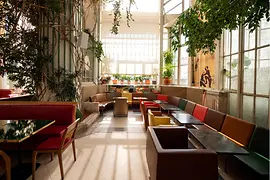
[(56, 145), (200, 112), (7, 164)]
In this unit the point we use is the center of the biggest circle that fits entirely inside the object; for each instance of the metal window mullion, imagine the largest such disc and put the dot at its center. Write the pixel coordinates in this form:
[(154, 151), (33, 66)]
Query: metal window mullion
[(255, 78), (240, 72), (230, 82)]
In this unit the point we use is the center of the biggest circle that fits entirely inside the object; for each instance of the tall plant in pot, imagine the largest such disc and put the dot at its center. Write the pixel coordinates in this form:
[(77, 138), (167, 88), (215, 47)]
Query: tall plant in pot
[(168, 68)]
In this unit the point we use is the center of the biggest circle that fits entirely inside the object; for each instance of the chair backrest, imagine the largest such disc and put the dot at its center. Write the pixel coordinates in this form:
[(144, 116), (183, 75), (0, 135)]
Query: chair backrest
[(69, 132), (182, 104), (214, 119), (162, 97), (238, 129), (102, 97), (151, 118), (190, 107), (259, 142), (200, 112), (128, 95), (174, 100)]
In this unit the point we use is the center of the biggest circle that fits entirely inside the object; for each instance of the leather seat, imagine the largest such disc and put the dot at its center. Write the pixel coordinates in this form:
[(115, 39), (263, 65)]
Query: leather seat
[(182, 104), (174, 100), (156, 118), (200, 112), (190, 107), (238, 129), (214, 119)]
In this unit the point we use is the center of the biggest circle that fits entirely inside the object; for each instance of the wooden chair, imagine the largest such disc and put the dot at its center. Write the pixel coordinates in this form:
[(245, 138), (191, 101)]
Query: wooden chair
[(7, 164), (56, 145)]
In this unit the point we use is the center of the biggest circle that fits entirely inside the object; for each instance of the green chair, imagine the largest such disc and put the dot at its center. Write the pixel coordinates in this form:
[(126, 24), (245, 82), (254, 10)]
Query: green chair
[(182, 104)]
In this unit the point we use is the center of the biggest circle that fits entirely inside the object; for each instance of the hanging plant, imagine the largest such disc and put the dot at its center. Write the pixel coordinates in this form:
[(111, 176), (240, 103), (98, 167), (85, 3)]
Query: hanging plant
[(204, 23)]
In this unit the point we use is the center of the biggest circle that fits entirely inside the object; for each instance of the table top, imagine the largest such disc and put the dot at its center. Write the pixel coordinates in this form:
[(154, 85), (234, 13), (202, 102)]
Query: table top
[(211, 139), (160, 102), (138, 98), (186, 119), (114, 98), (169, 107), (15, 131)]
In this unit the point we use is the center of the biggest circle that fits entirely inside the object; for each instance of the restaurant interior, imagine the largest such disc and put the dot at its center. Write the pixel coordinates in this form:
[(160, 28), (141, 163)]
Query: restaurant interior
[(134, 90)]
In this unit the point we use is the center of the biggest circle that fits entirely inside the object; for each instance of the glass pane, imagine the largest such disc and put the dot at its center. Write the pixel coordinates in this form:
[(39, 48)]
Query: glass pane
[(148, 69), (264, 33), (261, 112), (184, 75), (138, 69), (263, 71), (233, 104), (130, 69), (235, 36), (176, 4), (184, 56), (234, 72), (249, 39), (227, 42), (226, 72), (248, 108), (186, 4), (122, 68), (249, 71)]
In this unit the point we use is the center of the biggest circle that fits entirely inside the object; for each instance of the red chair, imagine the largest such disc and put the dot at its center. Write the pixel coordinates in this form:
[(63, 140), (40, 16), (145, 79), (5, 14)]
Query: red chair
[(200, 112), (56, 145), (162, 97)]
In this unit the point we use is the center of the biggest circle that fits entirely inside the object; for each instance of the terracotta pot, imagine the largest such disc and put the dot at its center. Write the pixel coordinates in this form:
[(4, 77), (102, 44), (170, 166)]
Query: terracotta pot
[(167, 81), (147, 81), (122, 82), (114, 81)]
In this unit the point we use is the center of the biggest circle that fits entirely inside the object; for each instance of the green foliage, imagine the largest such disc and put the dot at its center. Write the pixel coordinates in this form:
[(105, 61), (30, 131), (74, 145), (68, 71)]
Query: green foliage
[(95, 45), (168, 64), (62, 84), (116, 76), (204, 23), (117, 16)]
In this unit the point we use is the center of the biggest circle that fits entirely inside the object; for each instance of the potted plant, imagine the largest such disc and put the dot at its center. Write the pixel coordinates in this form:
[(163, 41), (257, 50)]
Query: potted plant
[(168, 67), (128, 78), (136, 79), (122, 79), (141, 79), (115, 78), (147, 79)]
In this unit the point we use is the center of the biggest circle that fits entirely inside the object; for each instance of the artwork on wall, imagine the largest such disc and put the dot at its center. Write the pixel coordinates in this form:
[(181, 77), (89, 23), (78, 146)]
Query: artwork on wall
[(206, 79)]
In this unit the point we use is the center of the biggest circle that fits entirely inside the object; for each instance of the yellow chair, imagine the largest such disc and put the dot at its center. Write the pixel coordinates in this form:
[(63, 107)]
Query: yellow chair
[(157, 119), (128, 95)]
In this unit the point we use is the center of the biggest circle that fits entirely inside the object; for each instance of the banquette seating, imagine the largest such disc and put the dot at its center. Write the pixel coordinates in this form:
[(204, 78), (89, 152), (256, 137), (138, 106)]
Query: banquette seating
[(64, 114), (4, 93), (246, 134)]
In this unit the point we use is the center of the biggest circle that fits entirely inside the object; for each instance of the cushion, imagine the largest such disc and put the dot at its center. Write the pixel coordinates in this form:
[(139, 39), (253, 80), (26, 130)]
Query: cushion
[(190, 107), (53, 143), (91, 106), (182, 104), (259, 142), (238, 129), (214, 119), (150, 96), (162, 97), (101, 97), (174, 100), (200, 112), (53, 130)]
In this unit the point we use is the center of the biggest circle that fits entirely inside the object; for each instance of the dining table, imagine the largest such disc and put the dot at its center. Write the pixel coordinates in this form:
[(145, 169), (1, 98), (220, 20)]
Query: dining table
[(185, 119), (169, 107), (17, 131)]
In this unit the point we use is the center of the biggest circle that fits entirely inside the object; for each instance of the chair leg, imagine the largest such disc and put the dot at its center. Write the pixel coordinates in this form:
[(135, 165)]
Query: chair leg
[(8, 171), (74, 150), (61, 164), (52, 154), (34, 159)]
